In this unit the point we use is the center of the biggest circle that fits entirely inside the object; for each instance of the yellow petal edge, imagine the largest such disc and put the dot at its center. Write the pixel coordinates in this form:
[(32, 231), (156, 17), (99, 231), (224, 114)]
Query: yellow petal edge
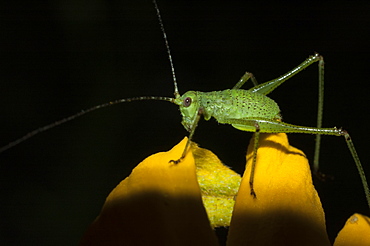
[(287, 209), (219, 186), (356, 232), (158, 204)]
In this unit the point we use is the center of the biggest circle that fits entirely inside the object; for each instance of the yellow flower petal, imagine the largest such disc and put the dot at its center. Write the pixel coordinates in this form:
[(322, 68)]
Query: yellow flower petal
[(356, 232), (219, 186), (158, 204), (287, 210)]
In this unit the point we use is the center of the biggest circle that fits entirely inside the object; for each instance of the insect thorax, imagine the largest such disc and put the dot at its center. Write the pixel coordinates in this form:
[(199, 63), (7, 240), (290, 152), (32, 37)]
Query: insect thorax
[(237, 104)]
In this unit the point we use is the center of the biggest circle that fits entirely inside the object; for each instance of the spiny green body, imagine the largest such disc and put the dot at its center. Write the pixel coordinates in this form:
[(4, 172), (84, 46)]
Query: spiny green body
[(225, 105), (251, 110)]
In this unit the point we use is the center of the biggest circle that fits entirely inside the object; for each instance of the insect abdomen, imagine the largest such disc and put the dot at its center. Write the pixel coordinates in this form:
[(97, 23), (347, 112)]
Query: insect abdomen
[(237, 104)]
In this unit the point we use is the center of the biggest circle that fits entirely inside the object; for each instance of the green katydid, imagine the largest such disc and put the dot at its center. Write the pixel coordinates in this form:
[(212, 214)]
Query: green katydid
[(251, 110), (248, 110)]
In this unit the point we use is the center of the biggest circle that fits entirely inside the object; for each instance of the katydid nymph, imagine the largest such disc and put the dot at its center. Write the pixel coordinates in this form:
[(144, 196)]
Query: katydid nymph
[(248, 110)]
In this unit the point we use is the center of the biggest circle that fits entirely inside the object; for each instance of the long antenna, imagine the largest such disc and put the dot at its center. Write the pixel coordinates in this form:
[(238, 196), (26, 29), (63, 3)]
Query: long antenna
[(176, 93), (82, 112)]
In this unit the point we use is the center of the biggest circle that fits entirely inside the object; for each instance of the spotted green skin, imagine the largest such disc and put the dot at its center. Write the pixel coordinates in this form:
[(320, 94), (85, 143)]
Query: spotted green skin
[(226, 105)]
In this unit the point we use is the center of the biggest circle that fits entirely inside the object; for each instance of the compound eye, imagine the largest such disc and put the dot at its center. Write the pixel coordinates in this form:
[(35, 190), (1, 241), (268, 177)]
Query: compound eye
[(187, 102)]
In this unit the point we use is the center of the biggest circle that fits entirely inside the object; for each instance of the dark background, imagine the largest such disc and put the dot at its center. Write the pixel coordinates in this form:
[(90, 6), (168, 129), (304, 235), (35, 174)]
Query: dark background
[(59, 57)]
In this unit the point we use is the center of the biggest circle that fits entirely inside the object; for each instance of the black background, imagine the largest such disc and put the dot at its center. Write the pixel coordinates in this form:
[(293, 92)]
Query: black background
[(59, 57)]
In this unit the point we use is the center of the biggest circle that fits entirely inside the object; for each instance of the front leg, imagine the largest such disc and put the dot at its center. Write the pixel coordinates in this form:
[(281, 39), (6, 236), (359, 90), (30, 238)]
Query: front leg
[(192, 130)]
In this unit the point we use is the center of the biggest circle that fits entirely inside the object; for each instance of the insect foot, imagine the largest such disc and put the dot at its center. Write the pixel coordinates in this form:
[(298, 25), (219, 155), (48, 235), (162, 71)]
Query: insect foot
[(253, 193), (175, 161), (323, 176)]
